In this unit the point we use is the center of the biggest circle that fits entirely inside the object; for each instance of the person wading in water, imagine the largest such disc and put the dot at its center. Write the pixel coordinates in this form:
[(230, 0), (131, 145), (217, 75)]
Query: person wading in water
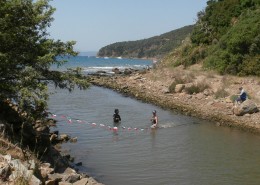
[(154, 120), (116, 116)]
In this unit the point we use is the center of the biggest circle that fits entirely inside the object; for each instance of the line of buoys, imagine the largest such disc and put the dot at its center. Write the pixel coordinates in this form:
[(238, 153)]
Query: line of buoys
[(115, 129)]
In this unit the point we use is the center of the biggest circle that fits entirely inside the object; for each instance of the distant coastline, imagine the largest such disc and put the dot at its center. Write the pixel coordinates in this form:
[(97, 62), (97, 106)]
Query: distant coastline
[(88, 53)]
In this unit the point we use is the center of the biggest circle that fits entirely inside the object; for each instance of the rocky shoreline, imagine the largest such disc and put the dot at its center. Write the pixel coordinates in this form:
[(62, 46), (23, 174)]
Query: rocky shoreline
[(31, 154), (152, 86)]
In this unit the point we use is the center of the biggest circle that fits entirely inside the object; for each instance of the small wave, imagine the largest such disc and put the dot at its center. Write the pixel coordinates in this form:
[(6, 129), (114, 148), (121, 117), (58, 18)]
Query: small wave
[(170, 125)]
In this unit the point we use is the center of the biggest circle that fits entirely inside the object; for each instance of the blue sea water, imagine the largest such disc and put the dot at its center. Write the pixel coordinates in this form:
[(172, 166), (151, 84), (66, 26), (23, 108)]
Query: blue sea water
[(91, 64)]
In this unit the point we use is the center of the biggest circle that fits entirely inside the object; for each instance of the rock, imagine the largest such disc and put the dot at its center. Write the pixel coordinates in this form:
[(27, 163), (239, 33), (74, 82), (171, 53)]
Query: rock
[(127, 71), (116, 71), (247, 107), (5, 171), (218, 124), (179, 88), (83, 181), (45, 170), (79, 164), (69, 171), (72, 178), (65, 183), (206, 92), (19, 170), (200, 96), (165, 91), (56, 177), (74, 140), (53, 138), (64, 137), (8, 158), (50, 182), (87, 181)]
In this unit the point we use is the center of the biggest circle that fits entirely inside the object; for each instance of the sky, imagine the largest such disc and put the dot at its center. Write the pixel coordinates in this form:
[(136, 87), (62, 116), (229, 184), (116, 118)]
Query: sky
[(94, 24)]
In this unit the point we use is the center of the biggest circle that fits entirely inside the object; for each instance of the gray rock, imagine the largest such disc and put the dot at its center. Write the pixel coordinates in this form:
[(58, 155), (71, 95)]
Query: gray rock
[(247, 107), (72, 178)]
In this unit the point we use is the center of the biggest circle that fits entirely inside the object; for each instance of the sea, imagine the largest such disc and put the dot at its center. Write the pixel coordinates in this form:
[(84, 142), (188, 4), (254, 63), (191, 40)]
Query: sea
[(93, 64), (184, 150)]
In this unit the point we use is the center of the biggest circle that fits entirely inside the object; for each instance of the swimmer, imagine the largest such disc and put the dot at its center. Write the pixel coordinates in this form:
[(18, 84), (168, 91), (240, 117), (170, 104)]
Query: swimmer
[(154, 120), (116, 116)]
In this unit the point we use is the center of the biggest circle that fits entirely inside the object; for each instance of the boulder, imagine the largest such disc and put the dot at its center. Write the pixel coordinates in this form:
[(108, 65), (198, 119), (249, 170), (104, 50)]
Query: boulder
[(64, 137), (179, 88), (5, 171), (116, 71), (45, 170), (247, 107)]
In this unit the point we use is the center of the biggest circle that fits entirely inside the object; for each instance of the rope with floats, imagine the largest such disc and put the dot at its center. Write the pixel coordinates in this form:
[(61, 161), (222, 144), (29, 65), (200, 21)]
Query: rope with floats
[(71, 120)]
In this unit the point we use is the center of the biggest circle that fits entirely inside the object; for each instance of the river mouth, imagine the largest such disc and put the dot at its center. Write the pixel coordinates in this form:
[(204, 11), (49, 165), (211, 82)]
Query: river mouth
[(184, 150)]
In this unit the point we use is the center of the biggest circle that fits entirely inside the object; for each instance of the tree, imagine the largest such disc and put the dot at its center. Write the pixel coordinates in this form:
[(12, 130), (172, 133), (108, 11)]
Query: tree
[(27, 53)]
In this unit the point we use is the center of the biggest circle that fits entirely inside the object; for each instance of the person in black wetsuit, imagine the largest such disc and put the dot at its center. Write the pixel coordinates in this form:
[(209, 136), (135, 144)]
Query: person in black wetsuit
[(116, 116)]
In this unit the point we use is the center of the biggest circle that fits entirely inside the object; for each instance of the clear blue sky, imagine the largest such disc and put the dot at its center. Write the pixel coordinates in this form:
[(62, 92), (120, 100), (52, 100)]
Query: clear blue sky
[(97, 23)]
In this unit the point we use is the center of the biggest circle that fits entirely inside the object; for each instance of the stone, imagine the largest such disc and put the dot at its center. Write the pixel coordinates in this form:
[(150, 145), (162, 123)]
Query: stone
[(56, 177), (64, 137), (179, 88), (53, 138), (45, 170), (74, 140), (83, 181), (72, 178), (200, 96), (79, 164), (65, 183), (247, 107), (50, 182), (5, 171), (165, 90)]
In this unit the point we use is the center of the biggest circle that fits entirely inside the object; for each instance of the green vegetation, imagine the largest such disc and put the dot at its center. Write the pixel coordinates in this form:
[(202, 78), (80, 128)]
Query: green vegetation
[(226, 38), (221, 93), (196, 88), (154, 47), (26, 54)]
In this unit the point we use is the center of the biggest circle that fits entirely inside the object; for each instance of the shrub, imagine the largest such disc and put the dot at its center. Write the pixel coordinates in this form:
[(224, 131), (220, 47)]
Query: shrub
[(221, 93), (233, 98), (178, 80), (21, 181), (196, 88), (172, 87)]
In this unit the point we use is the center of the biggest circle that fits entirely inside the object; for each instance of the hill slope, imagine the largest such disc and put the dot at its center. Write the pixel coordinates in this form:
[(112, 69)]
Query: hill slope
[(226, 38), (154, 47)]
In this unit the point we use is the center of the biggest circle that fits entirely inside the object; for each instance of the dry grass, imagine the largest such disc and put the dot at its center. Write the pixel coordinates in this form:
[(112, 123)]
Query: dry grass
[(6, 147)]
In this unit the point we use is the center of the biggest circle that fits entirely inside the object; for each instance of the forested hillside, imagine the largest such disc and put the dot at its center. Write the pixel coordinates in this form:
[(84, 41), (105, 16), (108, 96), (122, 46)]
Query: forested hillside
[(154, 47), (226, 38)]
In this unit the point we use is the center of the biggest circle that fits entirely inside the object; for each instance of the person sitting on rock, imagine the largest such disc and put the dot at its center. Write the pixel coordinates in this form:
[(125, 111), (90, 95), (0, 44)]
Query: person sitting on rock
[(242, 96), (116, 116)]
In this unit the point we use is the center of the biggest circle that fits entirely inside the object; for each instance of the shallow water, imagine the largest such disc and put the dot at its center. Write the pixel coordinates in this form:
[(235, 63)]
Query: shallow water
[(184, 150)]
